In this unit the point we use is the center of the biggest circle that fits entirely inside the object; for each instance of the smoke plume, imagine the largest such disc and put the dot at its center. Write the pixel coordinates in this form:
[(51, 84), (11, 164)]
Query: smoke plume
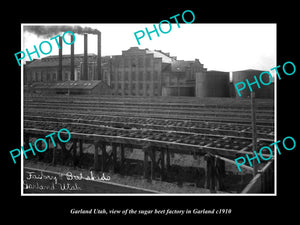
[(50, 31)]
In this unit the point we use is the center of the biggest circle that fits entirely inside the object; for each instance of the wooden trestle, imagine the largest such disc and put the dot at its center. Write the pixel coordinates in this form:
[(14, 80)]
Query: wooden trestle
[(154, 167)]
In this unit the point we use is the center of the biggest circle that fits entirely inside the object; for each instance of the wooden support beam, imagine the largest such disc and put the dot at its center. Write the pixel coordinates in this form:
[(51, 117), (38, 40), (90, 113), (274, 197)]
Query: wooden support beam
[(109, 160), (54, 152), (104, 157), (167, 159), (64, 152), (212, 187), (153, 163), (122, 158), (210, 172), (215, 172), (148, 153), (80, 148), (162, 161), (74, 152), (146, 163), (96, 156), (220, 173), (114, 154), (207, 172)]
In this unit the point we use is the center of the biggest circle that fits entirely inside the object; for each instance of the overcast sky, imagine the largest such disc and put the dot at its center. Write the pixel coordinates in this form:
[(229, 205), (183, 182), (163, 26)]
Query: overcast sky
[(226, 47)]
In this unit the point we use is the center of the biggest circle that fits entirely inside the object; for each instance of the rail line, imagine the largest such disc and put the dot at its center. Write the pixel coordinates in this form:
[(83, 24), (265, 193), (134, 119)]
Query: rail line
[(206, 128)]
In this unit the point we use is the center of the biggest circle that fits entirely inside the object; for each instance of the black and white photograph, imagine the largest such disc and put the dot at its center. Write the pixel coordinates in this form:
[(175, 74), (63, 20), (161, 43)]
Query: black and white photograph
[(173, 115), (151, 121)]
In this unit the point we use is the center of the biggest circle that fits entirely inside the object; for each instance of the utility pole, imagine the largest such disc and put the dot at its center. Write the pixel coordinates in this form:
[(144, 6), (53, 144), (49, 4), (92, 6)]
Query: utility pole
[(253, 123)]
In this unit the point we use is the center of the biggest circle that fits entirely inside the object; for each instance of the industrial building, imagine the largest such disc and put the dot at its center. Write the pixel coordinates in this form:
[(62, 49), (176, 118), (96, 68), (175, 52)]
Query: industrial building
[(138, 72), (144, 72), (180, 80), (212, 84), (126, 132), (95, 87), (262, 92), (68, 67)]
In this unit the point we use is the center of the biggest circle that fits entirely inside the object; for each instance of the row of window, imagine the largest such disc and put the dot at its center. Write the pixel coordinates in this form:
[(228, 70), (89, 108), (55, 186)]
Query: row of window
[(39, 76), (140, 86), (52, 76), (137, 93), (125, 76)]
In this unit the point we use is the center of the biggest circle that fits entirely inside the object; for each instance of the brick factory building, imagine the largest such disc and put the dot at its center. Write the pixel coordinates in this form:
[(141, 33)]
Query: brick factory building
[(137, 72), (143, 72), (260, 92), (85, 87), (46, 69)]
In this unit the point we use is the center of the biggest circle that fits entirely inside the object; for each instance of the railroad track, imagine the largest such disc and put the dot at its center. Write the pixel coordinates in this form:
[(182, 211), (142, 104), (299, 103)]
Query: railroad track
[(181, 142), (214, 127), (196, 127), (130, 107), (175, 124)]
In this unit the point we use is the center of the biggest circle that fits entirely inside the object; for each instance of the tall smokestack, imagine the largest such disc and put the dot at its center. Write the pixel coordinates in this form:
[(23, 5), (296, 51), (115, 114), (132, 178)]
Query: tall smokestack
[(99, 57), (72, 59), (59, 77), (85, 59)]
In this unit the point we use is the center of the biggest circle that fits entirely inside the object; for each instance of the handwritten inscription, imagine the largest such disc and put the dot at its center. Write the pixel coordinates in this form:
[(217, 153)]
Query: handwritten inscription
[(52, 187), (39, 181), (70, 176)]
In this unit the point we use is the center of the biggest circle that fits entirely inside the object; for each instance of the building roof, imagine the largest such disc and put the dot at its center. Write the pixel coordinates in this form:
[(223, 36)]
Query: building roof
[(159, 54), (52, 61), (79, 84), (166, 58), (249, 70), (180, 65)]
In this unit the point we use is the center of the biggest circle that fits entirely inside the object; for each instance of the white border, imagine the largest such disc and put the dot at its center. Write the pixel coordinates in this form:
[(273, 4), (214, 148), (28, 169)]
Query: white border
[(156, 194)]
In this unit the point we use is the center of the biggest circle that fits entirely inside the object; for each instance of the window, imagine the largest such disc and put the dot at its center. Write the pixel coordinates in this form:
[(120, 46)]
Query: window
[(148, 76), (33, 76), (141, 61), (133, 78), (39, 75), (133, 88), (126, 62), (157, 64), (141, 86), (66, 77), (148, 62), (126, 76), (140, 76), (155, 76), (133, 62)]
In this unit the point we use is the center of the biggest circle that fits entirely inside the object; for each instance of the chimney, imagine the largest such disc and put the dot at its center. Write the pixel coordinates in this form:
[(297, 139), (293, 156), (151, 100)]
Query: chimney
[(72, 60), (99, 58), (85, 58), (59, 77)]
